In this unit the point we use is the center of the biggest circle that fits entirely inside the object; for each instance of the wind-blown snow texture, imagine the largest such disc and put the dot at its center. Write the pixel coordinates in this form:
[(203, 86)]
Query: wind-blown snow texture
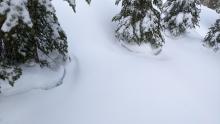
[(115, 86)]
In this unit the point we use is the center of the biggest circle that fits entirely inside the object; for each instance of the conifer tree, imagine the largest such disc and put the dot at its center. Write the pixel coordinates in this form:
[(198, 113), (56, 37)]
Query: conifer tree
[(30, 32), (72, 3), (180, 15), (212, 39), (139, 22)]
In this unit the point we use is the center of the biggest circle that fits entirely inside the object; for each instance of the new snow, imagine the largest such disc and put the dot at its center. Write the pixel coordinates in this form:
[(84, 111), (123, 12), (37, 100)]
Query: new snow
[(106, 83)]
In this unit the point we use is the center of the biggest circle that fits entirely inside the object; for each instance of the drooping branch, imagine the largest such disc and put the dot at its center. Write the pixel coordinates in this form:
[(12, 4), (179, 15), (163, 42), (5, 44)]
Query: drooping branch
[(72, 3)]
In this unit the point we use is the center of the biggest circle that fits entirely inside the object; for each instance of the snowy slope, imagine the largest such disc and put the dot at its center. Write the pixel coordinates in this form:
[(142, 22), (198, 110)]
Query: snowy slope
[(116, 86)]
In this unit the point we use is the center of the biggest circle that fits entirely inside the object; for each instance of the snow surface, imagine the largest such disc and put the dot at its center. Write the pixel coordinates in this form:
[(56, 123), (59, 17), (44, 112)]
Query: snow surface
[(109, 84)]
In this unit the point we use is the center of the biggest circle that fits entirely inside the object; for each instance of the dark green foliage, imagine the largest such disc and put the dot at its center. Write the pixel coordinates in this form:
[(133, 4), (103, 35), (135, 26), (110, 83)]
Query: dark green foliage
[(213, 4), (218, 9), (40, 44), (10, 73), (158, 3), (72, 3), (180, 15), (139, 22), (212, 39)]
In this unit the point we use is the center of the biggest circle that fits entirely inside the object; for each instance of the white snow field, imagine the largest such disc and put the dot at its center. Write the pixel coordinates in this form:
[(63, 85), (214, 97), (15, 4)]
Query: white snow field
[(109, 84)]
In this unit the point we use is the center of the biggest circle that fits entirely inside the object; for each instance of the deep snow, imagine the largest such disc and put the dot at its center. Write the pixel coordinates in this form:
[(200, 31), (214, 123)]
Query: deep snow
[(115, 86)]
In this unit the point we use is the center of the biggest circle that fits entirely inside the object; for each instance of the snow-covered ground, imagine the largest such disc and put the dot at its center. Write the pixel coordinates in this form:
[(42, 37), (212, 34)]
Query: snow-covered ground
[(110, 85)]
